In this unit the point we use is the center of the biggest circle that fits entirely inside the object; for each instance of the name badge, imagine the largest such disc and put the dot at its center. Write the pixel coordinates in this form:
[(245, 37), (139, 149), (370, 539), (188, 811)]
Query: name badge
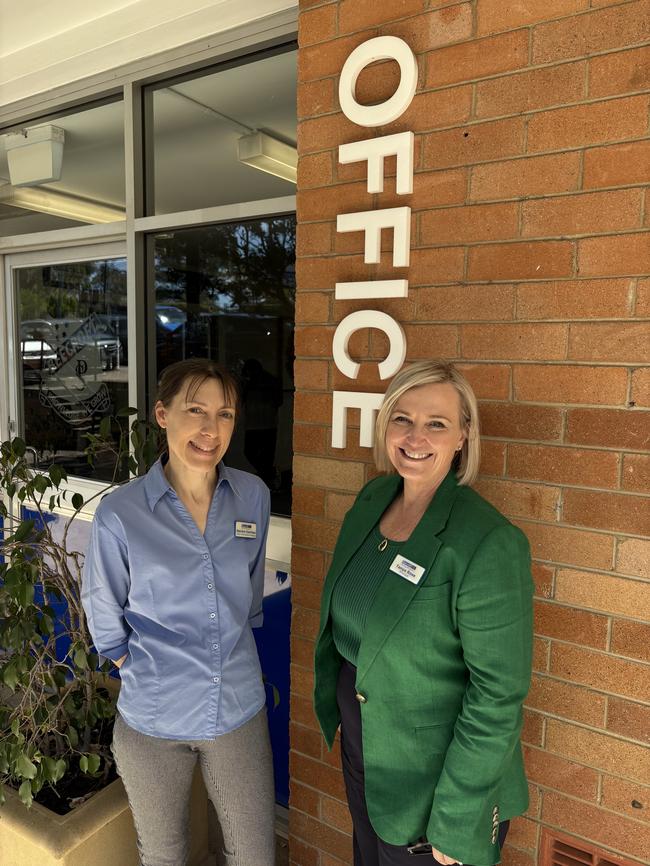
[(405, 568), (245, 530)]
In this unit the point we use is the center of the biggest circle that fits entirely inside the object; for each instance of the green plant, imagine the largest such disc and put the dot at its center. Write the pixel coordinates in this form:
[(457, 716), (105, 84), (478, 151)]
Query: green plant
[(56, 711)]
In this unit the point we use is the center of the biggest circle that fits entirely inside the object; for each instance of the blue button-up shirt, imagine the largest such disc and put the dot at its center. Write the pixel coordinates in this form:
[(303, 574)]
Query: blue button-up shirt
[(180, 604)]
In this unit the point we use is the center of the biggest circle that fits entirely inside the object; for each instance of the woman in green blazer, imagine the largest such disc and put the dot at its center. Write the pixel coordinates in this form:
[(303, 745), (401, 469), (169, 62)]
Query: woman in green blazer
[(425, 643)]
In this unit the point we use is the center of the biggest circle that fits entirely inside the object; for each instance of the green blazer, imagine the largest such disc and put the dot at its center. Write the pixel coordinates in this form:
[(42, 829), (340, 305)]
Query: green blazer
[(443, 669)]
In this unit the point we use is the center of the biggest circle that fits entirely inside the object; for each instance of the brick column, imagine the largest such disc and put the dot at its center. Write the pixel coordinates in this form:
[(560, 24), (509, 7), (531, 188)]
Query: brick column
[(530, 262)]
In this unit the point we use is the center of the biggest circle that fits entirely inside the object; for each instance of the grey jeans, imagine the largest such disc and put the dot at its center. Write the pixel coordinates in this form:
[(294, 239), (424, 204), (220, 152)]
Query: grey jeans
[(238, 773)]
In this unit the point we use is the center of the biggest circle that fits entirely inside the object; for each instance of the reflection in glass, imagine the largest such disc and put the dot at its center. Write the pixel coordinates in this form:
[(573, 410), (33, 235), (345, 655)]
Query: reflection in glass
[(227, 292), (88, 186), (74, 349)]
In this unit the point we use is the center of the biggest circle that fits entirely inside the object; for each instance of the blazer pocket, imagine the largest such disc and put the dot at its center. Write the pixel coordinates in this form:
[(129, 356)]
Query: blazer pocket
[(426, 593), (434, 739)]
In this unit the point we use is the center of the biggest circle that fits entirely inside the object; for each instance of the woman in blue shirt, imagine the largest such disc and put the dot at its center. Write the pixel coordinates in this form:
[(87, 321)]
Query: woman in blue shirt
[(173, 584)]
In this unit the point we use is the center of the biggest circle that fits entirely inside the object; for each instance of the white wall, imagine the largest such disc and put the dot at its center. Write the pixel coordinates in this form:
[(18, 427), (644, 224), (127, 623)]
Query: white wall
[(48, 43)]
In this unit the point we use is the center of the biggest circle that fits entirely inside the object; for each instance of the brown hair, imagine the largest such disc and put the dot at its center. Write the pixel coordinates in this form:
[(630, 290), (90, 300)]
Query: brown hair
[(193, 372)]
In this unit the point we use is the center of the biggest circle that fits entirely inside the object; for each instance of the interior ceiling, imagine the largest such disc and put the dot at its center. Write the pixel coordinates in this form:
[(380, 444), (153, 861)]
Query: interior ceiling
[(195, 150)]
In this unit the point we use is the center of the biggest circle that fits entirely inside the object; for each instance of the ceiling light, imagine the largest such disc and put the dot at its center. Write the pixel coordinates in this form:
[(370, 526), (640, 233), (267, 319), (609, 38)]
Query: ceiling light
[(35, 155), (270, 155), (61, 204)]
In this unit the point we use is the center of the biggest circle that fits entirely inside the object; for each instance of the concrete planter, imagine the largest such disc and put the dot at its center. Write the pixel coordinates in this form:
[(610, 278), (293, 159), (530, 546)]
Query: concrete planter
[(100, 832)]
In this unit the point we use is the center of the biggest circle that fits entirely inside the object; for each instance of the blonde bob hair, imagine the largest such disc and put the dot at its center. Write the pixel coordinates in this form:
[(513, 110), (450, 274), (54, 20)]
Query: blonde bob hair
[(466, 462)]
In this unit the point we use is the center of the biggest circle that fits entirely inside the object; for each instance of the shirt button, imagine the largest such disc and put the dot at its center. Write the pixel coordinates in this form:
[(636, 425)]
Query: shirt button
[(209, 586), (215, 679), (212, 615), (205, 556), (215, 646)]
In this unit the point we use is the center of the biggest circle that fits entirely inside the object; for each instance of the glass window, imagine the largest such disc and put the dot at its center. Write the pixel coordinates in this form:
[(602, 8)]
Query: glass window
[(227, 292), (226, 137), (72, 339), (66, 171)]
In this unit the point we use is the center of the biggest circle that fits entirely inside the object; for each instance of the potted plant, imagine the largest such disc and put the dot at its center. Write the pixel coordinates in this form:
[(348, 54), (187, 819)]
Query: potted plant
[(57, 701)]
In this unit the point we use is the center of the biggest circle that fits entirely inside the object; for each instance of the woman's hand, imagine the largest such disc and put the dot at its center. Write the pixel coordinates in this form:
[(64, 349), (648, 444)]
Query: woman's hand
[(442, 858)]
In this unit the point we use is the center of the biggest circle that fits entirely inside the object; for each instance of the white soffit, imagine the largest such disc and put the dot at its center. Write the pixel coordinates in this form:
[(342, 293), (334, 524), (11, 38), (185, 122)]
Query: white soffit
[(129, 31)]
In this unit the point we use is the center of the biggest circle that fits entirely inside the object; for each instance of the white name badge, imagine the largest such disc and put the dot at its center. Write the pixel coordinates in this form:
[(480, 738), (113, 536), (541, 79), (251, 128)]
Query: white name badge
[(245, 530), (405, 568)]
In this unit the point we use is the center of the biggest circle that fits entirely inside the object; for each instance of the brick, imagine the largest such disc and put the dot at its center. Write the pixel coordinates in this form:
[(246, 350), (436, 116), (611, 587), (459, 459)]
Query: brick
[(632, 556), (302, 854), (432, 29), (302, 681), (359, 14), (302, 651), (476, 59), (511, 856), (315, 170), (601, 671), (551, 771), (311, 375), (599, 825), (316, 62), (523, 832), (572, 702), (316, 341), (332, 474), (465, 302), (326, 132), (582, 214), (641, 387), (531, 90), (474, 143), (305, 592), (575, 299), (514, 341), (520, 500), (609, 428), (546, 383), (622, 72), (308, 439), (436, 265), (614, 255), (336, 814), (541, 650), (516, 421), (626, 342), (308, 563), (302, 710), (316, 97), (313, 307), (529, 176), (434, 110), (492, 457), (610, 511), (420, 339), (338, 505), (317, 25), (617, 165), (325, 838), (618, 794), (543, 580), (568, 624), (314, 239), (533, 728), (628, 719), (402, 309), (313, 407), (325, 204), (642, 306), (597, 31), (582, 125), (488, 381), (308, 500), (632, 639), (636, 472), (521, 261), (479, 222), (318, 775), (491, 17), (436, 188), (604, 592), (561, 544), (323, 272), (305, 799), (596, 749)]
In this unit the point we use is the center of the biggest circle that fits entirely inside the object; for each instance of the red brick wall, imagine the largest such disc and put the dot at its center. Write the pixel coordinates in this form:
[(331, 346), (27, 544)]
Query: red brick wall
[(530, 263)]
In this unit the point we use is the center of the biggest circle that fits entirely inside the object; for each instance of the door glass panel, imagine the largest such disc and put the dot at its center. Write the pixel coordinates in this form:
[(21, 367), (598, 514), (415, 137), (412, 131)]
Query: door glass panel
[(72, 339), (227, 292)]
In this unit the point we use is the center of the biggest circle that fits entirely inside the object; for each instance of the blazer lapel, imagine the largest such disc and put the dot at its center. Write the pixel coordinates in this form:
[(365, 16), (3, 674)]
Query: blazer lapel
[(395, 593)]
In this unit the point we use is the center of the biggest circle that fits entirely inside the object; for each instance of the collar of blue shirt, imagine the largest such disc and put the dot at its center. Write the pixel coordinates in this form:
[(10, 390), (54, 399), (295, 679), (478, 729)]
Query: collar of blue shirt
[(156, 483)]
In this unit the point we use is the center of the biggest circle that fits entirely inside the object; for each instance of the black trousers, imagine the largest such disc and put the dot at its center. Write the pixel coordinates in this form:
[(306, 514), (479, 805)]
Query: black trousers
[(369, 849)]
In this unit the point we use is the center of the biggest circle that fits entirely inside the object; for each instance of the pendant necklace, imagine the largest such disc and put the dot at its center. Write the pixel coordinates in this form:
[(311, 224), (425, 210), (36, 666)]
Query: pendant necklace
[(383, 544)]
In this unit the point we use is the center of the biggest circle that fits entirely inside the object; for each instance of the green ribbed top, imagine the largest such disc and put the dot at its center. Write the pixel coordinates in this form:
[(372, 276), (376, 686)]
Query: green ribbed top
[(355, 591)]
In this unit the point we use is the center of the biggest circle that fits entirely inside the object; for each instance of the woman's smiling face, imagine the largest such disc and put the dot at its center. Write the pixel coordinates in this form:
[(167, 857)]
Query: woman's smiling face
[(424, 433), (199, 424)]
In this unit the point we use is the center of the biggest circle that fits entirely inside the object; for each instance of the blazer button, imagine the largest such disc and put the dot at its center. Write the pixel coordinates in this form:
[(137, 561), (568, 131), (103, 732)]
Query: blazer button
[(361, 698)]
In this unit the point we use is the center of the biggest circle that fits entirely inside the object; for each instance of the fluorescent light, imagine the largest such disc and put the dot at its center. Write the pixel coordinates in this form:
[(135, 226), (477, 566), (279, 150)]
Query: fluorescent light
[(60, 204), (270, 155)]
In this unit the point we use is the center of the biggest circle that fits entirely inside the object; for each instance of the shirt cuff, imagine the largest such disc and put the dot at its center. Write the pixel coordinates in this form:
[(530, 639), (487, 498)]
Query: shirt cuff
[(115, 653)]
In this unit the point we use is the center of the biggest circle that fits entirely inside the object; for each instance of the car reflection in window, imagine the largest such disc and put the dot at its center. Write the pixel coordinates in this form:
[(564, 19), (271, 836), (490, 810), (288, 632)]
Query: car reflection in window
[(40, 338)]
